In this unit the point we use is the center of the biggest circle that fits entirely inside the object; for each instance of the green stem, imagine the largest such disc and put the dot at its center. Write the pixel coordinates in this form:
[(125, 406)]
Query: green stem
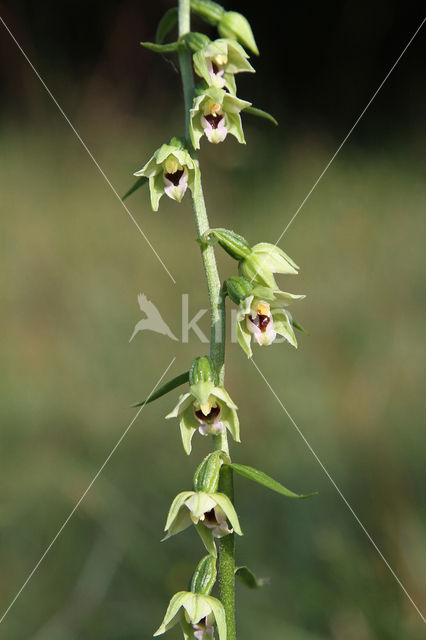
[(217, 327)]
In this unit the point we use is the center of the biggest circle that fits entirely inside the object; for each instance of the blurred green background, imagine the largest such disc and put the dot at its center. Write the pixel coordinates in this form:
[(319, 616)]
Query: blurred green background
[(72, 266)]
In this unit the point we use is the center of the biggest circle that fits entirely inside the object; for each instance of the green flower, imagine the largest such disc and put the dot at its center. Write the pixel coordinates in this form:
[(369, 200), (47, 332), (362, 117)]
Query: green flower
[(209, 512), (197, 615), (263, 316), (216, 113), (263, 261), (207, 408), (219, 61), (171, 170)]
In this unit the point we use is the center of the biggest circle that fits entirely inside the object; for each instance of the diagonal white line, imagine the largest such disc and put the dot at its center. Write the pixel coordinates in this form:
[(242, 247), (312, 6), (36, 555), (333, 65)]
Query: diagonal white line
[(340, 493), (95, 477), (86, 148), (351, 129)]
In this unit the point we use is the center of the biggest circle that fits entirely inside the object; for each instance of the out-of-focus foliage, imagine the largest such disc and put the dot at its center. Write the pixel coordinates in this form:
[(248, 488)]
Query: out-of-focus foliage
[(72, 266)]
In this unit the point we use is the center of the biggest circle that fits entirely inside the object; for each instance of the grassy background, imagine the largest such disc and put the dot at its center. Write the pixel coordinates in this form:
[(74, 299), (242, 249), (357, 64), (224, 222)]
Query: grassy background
[(72, 266)]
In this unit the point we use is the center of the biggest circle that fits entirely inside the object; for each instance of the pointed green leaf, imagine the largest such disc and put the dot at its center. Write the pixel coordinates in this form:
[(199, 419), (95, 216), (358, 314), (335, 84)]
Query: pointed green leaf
[(166, 24), (169, 386), (140, 182), (261, 114), (161, 48), (299, 327), (248, 578), (266, 481)]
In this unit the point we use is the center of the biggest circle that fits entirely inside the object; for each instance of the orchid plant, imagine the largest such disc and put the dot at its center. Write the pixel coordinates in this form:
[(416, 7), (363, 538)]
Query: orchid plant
[(212, 112)]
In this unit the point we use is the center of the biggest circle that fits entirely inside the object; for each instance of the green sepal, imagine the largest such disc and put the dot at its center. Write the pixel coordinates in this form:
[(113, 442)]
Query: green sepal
[(140, 182), (266, 481), (238, 288), (169, 386), (175, 507), (234, 244), (249, 579), (210, 11), (235, 26), (161, 48), (195, 40), (207, 537), (171, 615), (264, 293), (166, 24), (261, 114), (206, 476), (204, 576)]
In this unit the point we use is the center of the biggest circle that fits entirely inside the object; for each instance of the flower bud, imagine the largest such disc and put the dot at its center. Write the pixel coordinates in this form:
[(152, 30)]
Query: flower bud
[(206, 476), (204, 576), (234, 244), (238, 288), (202, 379), (202, 370), (236, 26), (195, 40), (210, 11)]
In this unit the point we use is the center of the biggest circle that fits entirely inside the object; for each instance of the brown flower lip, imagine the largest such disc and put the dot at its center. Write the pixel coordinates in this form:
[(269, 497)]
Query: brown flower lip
[(260, 321), (175, 177), (213, 119), (210, 417)]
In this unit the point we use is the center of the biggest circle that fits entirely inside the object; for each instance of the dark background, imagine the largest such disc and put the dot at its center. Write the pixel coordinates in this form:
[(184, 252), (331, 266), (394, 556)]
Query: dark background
[(320, 62)]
